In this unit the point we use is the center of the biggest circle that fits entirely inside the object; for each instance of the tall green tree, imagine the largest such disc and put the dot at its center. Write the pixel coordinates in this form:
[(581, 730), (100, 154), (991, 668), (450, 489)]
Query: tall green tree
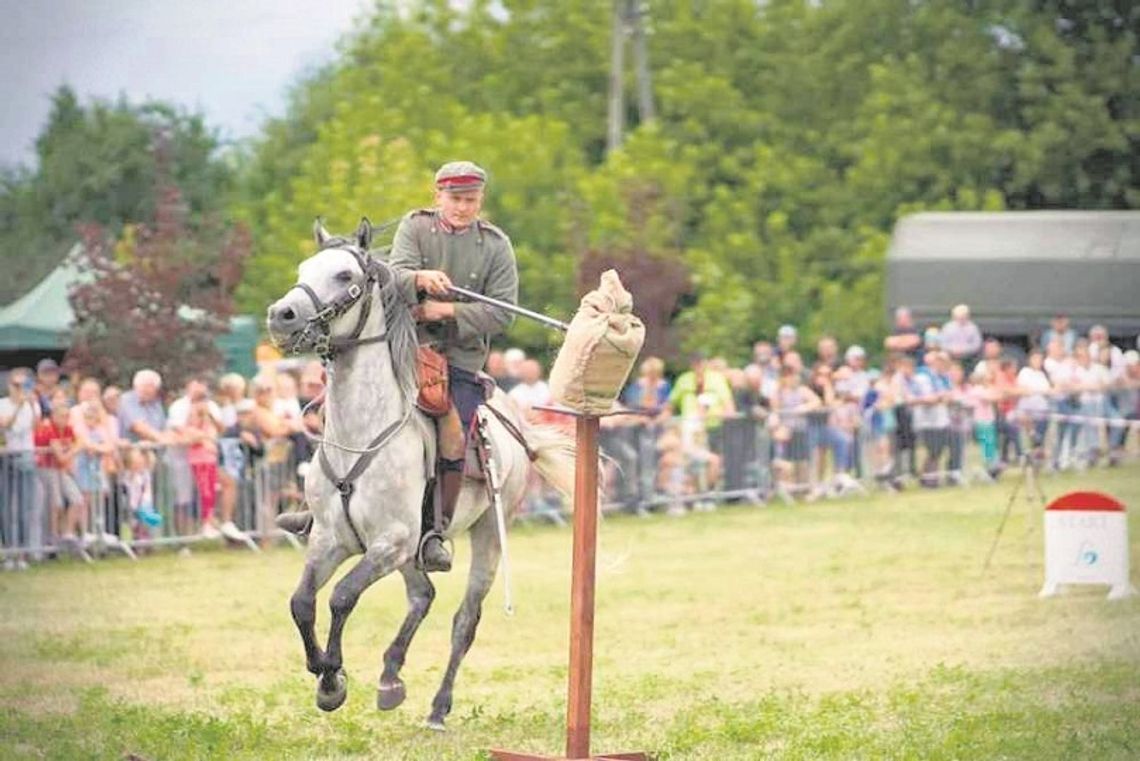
[(789, 138), (96, 164)]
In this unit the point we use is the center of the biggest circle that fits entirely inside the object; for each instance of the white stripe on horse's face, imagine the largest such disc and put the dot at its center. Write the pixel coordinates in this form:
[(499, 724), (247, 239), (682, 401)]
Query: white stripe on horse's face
[(328, 273)]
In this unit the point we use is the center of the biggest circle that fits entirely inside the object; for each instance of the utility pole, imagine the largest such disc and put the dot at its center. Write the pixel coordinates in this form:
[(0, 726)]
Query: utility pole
[(628, 20), (616, 121), (636, 15)]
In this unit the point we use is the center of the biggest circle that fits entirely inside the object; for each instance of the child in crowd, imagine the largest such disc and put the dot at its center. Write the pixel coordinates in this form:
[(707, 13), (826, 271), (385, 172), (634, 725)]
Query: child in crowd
[(843, 424), (671, 476), (95, 461), (139, 485), (961, 421), (203, 457), (981, 396), (1033, 404), (880, 411), (55, 460)]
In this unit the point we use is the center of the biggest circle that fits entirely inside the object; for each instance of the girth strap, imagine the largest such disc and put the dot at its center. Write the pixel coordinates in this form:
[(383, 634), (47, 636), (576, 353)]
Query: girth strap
[(347, 485), (513, 430)]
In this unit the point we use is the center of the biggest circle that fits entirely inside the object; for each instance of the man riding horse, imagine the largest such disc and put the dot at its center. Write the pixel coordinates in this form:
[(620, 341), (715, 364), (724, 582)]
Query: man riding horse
[(434, 249)]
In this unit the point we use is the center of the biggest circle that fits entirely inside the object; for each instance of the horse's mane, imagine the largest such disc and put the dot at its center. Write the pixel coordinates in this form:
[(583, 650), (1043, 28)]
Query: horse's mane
[(402, 341), (398, 321)]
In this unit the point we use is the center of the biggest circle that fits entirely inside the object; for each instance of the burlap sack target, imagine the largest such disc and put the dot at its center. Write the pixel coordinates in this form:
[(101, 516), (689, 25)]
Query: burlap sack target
[(600, 349)]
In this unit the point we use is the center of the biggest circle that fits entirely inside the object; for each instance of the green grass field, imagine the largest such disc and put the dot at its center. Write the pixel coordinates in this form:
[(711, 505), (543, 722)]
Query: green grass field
[(856, 629)]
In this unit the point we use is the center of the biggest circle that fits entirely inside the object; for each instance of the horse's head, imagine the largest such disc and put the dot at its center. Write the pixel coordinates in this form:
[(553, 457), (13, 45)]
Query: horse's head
[(329, 304)]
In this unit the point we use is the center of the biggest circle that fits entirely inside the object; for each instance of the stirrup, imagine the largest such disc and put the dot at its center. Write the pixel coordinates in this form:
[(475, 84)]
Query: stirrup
[(444, 542)]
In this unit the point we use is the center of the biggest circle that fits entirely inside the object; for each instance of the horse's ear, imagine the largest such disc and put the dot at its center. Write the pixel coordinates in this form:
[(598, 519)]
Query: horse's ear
[(364, 234), (320, 234)]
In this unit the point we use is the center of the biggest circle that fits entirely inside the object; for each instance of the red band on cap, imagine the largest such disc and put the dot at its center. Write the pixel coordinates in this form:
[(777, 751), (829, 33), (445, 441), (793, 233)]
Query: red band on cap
[(463, 179)]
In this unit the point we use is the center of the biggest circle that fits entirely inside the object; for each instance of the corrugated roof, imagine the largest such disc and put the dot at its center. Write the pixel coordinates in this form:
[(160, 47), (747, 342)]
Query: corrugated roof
[(1018, 235)]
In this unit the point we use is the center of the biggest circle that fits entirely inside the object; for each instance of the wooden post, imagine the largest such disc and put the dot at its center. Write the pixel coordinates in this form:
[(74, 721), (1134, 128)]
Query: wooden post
[(582, 590), (582, 579)]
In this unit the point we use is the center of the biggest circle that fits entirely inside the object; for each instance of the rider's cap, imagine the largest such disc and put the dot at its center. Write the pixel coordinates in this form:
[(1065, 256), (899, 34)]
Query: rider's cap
[(460, 175)]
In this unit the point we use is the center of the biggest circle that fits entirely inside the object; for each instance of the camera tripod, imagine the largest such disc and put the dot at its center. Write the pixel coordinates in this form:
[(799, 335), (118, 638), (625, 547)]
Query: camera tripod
[(1028, 481)]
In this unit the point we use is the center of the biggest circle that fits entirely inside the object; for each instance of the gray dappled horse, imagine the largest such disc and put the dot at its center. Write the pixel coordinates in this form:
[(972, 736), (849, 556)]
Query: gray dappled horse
[(379, 452)]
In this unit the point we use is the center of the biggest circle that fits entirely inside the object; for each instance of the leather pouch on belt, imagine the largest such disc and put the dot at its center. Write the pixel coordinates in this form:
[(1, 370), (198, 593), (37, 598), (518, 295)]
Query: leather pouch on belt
[(431, 369)]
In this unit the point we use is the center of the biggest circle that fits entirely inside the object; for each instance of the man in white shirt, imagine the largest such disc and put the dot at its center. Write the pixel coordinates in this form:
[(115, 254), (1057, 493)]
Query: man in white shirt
[(960, 337), (18, 415), (1099, 345), (531, 390)]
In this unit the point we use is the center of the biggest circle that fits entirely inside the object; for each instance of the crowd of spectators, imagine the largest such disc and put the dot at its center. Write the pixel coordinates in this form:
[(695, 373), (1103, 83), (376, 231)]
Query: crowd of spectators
[(85, 464), (88, 463), (827, 426)]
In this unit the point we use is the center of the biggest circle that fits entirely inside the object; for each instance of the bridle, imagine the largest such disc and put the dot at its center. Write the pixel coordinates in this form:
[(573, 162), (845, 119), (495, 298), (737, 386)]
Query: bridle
[(318, 328)]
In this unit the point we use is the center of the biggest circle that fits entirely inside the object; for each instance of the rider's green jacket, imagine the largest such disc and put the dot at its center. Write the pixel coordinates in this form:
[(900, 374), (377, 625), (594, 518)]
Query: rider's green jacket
[(479, 258)]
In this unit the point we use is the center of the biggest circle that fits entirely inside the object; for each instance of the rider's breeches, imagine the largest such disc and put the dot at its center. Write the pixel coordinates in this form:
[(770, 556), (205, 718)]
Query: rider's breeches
[(466, 392)]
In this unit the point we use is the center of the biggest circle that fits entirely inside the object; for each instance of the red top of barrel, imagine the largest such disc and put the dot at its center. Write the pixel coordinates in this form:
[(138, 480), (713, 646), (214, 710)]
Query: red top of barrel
[(1086, 500)]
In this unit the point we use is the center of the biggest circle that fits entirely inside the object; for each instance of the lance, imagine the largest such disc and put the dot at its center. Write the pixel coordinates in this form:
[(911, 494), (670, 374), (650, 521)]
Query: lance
[(549, 322)]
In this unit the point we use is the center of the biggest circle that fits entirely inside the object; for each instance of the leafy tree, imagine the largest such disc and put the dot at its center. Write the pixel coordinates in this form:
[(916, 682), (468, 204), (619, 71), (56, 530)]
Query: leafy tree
[(789, 138), (96, 164), (158, 298)]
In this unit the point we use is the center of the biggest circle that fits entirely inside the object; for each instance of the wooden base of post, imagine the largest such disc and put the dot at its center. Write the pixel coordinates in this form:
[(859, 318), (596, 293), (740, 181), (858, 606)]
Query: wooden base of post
[(580, 679), (507, 755)]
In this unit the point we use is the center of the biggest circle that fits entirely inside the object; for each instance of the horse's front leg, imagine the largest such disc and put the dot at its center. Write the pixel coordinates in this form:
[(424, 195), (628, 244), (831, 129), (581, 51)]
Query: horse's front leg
[(391, 692), (386, 553), (322, 561), (484, 562)]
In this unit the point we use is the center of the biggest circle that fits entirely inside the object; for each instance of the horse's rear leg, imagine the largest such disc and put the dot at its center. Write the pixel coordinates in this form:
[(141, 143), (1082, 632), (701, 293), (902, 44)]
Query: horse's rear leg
[(383, 556), (484, 563), (321, 563), (391, 692)]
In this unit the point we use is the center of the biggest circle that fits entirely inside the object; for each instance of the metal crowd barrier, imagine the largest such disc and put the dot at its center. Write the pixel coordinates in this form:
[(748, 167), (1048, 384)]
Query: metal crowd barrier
[(144, 497), (670, 465), (676, 464)]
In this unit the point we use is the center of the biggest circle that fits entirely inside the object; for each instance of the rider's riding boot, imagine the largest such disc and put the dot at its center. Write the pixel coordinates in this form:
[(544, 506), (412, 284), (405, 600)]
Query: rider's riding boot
[(298, 522), (433, 553)]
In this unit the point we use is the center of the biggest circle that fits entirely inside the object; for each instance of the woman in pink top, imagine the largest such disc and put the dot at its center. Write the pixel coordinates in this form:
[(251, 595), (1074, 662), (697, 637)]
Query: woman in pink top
[(203, 457)]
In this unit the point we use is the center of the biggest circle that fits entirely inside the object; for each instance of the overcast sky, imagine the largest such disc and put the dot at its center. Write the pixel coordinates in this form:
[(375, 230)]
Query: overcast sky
[(231, 59)]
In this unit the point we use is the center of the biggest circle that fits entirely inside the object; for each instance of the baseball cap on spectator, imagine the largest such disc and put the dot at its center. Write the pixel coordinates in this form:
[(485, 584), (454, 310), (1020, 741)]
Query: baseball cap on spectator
[(47, 365), (854, 351), (245, 405), (960, 312), (786, 331), (1131, 358)]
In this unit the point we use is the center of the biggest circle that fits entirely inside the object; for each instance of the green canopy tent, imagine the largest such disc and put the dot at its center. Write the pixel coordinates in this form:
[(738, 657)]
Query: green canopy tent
[(38, 325)]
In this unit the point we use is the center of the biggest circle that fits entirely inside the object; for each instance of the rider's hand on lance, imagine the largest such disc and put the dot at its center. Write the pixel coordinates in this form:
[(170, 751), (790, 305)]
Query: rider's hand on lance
[(434, 282)]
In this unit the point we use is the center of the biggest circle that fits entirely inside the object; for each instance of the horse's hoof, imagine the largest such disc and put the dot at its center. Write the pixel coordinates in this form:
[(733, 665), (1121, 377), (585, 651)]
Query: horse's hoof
[(332, 689), (435, 725), (390, 696)]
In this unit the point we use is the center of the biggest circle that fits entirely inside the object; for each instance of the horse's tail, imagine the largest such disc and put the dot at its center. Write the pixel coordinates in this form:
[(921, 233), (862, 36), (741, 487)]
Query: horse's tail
[(555, 450), (555, 456)]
